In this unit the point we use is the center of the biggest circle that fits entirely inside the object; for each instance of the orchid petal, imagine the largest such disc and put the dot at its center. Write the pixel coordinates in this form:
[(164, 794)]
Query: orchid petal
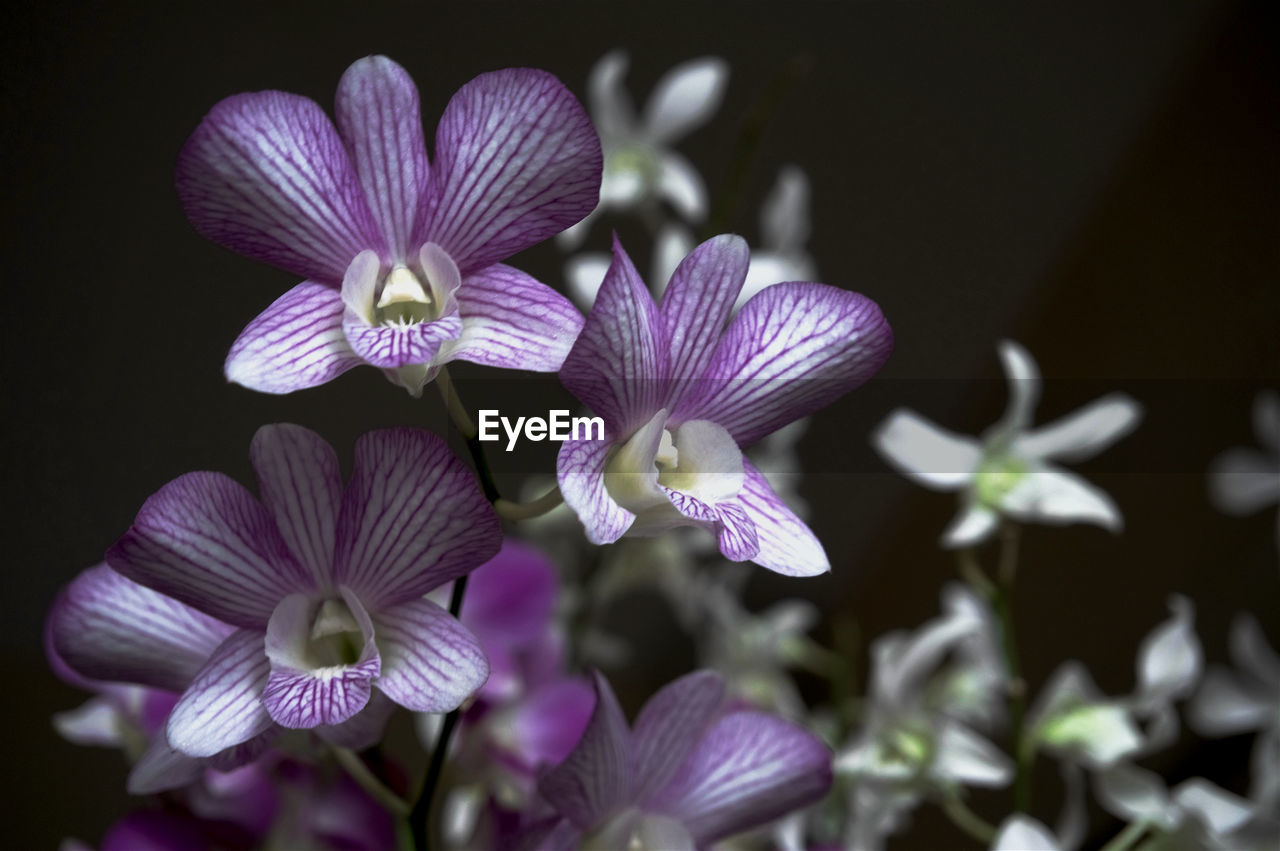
[(685, 98), (1170, 659), (511, 598), (106, 627), (583, 274), (1023, 376), (1224, 706), (1023, 833), (1055, 496), (670, 247), (394, 346), (1219, 810), (748, 769), (550, 720), (669, 726), (223, 705), (616, 366), (430, 662), (412, 518), (696, 304), (1133, 794), (294, 344), (784, 216), (580, 474), (301, 485), (787, 545), (596, 777), (161, 768), (205, 541), (736, 533), (611, 106), (517, 161), (791, 350), (511, 320), (1243, 480), (962, 756), (926, 453), (1250, 650), (380, 121), (1085, 433), (972, 525), (266, 175), (305, 699), (681, 185)]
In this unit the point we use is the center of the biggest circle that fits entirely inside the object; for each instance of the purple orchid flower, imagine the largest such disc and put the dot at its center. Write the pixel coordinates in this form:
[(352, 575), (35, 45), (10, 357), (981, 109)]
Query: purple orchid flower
[(401, 259), (324, 586), (694, 769), (681, 394)]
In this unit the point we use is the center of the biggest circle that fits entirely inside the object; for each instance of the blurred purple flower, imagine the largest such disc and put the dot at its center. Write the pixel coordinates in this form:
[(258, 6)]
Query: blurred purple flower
[(308, 577), (692, 770), (401, 259), (681, 390)]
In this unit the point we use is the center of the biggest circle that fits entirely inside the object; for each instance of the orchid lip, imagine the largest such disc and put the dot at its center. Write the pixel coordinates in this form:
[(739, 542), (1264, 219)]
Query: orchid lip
[(404, 301), (321, 635)]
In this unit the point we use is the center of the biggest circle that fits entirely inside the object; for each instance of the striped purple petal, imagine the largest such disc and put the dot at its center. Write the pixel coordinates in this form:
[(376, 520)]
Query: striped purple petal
[(266, 175), (223, 705), (748, 769), (596, 777), (618, 365), (516, 162), (696, 304), (380, 121), (412, 519), (792, 349), (669, 726), (161, 768), (580, 473), (430, 662), (296, 343), (301, 486), (204, 540), (511, 320), (306, 699), (787, 545), (393, 346), (106, 627), (735, 533)]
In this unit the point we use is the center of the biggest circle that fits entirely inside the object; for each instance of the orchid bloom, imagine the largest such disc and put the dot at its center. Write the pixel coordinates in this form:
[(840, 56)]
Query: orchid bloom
[(1243, 480), (693, 769), (323, 586), (1008, 472), (1073, 720), (680, 394), (1195, 814), (639, 164), (401, 257)]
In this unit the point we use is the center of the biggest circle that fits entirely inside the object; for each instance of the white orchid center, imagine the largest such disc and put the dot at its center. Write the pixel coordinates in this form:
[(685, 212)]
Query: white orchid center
[(404, 301), (307, 634), (631, 171), (409, 293), (996, 478)]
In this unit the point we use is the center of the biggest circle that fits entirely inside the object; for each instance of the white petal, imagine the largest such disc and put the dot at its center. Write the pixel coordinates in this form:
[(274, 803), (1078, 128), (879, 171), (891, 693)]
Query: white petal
[(933, 456), (611, 107), (1133, 794), (1221, 811), (1023, 375), (1250, 650), (1224, 706), (784, 216), (680, 184), (1084, 433), (1048, 495), (965, 757), (1243, 480), (1021, 833), (1170, 659), (685, 98), (971, 525), (673, 244)]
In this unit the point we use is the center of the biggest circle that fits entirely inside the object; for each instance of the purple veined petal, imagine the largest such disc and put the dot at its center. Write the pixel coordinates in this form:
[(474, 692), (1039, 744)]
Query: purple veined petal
[(106, 627), (749, 768), (394, 346), (238, 756), (685, 98), (735, 532), (670, 725), (596, 777), (294, 344), (511, 320), (430, 662), (618, 365), (307, 699), (266, 175), (301, 485), (223, 705), (792, 349), (380, 121), (364, 729), (205, 541), (412, 519), (927, 453), (787, 546), (516, 162), (161, 768), (510, 598), (580, 473), (696, 304), (1085, 433), (611, 105)]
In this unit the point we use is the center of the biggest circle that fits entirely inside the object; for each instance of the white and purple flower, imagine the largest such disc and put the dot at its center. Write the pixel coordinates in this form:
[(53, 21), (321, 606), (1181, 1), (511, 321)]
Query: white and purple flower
[(400, 257), (681, 390), (324, 586), (693, 769)]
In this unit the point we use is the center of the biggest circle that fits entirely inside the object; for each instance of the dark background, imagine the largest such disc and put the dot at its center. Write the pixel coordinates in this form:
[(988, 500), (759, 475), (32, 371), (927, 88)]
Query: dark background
[(1097, 180)]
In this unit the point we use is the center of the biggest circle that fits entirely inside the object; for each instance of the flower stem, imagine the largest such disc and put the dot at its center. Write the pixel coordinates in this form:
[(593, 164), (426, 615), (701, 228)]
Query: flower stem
[(1127, 838), (1002, 601), (457, 411), (359, 772), (967, 820), (509, 510)]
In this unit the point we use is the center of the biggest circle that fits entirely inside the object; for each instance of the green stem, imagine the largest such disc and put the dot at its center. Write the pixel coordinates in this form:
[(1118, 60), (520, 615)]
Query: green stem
[(359, 772), (453, 404), (967, 820), (1127, 838), (1002, 601), (509, 510)]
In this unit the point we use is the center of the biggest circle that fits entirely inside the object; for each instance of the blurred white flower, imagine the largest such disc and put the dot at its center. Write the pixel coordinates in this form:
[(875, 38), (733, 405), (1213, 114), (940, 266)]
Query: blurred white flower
[(1170, 662), (1231, 702), (1007, 472), (1022, 833), (639, 164), (1196, 814), (1073, 720), (1243, 480)]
